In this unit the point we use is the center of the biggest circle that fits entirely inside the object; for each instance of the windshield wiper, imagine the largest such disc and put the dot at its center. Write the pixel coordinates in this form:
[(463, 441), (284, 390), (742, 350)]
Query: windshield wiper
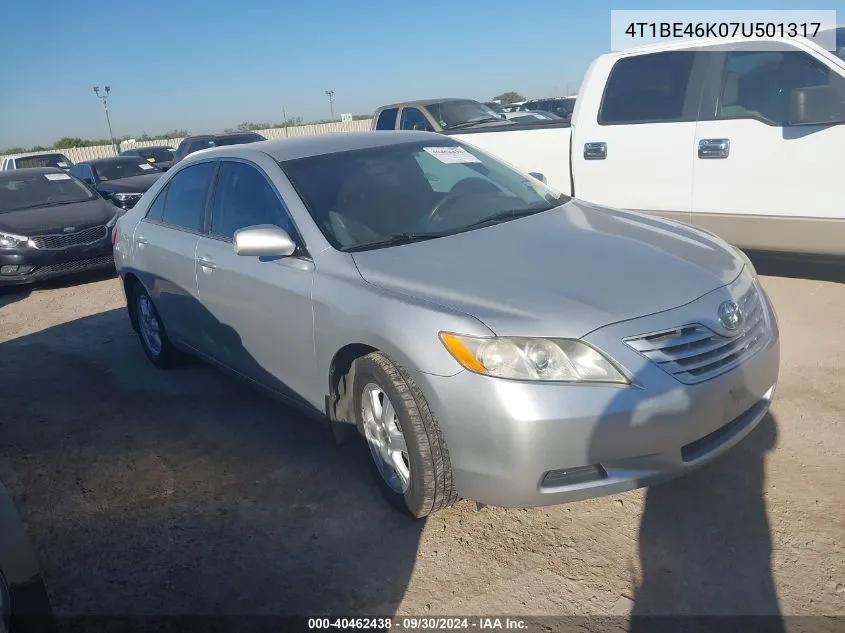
[(474, 122), (497, 218), (394, 240), (51, 204)]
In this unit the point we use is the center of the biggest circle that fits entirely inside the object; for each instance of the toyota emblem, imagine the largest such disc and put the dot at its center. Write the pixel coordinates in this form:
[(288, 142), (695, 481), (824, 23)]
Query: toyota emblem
[(730, 315)]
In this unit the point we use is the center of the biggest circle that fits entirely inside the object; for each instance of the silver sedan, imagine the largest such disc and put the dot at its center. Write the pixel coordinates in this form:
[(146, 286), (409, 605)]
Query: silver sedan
[(490, 338)]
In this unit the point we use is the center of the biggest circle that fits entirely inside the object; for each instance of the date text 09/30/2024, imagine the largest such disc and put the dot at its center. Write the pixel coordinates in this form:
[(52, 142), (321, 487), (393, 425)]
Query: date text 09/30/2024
[(417, 624)]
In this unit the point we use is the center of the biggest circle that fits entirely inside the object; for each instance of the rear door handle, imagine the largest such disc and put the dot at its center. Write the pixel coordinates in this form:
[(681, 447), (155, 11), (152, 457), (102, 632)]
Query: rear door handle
[(714, 148), (595, 151), (205, 262)]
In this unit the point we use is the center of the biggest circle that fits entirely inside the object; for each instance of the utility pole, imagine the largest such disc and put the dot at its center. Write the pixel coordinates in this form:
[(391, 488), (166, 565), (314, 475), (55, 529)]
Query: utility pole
[(104, 98), (285, 121), (330, 95)]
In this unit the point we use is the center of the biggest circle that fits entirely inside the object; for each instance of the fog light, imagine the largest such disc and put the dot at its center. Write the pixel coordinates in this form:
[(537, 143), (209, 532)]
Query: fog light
[(9, 270), (573, 476)]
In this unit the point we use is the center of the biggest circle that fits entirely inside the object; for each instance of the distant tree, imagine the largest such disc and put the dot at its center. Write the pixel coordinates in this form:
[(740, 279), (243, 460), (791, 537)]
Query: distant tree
[(66, 142), (509, 97), (39, 148), (13, 150)]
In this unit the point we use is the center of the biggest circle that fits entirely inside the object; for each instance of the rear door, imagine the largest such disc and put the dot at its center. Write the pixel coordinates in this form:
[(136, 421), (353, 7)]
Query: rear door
[(165, 249), (257, 317), (759, 182), (632, 141)]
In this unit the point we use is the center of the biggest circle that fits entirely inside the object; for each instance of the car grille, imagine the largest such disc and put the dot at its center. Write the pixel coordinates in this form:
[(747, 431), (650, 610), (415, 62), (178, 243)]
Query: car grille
[(65, 240), (694, 353), (78, 265)]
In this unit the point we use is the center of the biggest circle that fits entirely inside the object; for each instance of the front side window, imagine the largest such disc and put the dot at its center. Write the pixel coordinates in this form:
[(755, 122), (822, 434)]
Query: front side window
[(184, 206), (647, 88), (387, 119), (19, 191), (759, 84), (422, 190), (244, 198), (413, 119)]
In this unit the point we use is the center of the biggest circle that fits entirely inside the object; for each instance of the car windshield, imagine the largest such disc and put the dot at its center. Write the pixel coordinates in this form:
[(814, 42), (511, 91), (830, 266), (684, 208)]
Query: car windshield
[(464, 112), (125, 168), (21, 190), (387, 195), (156, 155), (43, 160)]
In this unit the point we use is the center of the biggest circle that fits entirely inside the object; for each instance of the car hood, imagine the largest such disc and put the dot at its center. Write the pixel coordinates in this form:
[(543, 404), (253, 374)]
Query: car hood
[(48, 220), (562, 273), (132, 184)]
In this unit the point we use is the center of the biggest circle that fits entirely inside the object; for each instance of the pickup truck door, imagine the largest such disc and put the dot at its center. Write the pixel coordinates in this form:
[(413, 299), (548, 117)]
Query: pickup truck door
[(759, 182), (633, 132)]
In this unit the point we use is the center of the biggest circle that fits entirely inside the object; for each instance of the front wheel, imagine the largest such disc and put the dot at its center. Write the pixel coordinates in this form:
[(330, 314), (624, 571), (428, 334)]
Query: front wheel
[(409, 455)]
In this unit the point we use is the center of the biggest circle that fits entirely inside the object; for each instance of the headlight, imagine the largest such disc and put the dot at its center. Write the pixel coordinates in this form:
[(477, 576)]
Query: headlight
[(747, 261), (518, 358), (10, 240)]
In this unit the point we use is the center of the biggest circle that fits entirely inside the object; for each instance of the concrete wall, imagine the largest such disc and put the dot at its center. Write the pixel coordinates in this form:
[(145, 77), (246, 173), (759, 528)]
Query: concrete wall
[(78, 154)]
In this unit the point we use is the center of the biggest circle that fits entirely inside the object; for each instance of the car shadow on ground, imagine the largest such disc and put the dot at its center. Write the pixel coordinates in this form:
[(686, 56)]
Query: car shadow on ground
[(186, 492), (798, 267)]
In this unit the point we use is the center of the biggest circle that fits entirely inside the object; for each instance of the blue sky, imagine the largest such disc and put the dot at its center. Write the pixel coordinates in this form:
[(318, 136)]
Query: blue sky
[(203, 65)]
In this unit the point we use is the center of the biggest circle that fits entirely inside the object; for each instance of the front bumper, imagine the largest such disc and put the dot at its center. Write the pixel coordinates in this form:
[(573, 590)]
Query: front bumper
[(29, 265), (522, 444)]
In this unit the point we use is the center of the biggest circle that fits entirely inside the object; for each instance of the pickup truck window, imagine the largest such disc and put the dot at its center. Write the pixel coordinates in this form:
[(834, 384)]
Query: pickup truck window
[(647, 88), (757, 84), (387, 119), (413, 119)]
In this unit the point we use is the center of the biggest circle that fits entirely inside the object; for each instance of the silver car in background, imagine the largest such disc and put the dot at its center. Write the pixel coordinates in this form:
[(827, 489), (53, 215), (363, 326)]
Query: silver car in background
[(490, 338)]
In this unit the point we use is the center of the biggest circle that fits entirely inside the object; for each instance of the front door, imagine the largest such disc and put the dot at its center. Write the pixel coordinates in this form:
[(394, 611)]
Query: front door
[(257, 317), (772, 185)]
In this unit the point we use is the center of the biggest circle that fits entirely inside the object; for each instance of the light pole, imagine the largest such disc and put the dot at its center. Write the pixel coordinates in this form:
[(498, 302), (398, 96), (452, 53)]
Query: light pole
[(104, 98), (330, 95)]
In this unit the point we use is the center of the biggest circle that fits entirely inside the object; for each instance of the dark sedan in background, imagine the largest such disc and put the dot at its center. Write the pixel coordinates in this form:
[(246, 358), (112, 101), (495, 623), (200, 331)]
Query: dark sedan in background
[(122, 180), (24, 604), (159, 155), (193, 144), (51, 225)]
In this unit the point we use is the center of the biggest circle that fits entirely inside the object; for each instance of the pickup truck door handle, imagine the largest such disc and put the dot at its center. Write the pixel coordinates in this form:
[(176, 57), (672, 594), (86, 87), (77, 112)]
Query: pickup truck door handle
[(714, 148), (206, 262), (595, 151)]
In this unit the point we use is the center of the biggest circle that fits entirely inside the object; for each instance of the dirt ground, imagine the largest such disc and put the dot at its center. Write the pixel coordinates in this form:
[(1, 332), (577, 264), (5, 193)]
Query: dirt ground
[(150, 492)]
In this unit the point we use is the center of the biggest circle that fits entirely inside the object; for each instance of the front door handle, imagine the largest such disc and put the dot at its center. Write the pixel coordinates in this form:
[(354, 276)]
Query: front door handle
[(714, 148), (206, 262), (141, 239), (595, 151)]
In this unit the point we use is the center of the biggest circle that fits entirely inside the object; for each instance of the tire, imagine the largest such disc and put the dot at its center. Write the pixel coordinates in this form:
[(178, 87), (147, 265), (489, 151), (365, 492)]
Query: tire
[(427, 486), (164, 355)]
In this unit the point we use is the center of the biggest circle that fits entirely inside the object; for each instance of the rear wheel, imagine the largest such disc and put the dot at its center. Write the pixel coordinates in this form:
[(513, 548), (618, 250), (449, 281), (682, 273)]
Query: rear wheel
[(409, 455), (154, 341)]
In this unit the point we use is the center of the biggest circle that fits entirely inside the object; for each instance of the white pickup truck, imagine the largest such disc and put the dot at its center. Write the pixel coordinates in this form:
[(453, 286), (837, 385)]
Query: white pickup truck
[(739, 138)]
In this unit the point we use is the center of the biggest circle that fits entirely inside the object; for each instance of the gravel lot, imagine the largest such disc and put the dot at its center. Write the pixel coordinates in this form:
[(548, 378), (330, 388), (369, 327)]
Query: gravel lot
[(150, 492)]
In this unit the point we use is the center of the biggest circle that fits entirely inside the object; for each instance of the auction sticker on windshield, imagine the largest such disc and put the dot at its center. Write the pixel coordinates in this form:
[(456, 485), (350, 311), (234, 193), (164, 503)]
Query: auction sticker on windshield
[(61, 164), (57, 176), (451, 154), (145, 166)]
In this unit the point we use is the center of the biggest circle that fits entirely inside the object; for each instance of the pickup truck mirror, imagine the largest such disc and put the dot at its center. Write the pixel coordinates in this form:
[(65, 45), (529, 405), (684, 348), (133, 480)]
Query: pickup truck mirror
[(816, 105), (538, 176)]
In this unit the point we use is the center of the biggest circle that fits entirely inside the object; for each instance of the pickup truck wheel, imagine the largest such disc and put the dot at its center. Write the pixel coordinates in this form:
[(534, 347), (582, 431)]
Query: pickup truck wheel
[(409, 455), (157, 346)]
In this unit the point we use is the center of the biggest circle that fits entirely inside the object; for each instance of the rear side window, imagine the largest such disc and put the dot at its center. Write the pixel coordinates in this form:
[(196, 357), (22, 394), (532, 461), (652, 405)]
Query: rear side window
[(647, 88), (387, 119), (184, 206), (156, 210)]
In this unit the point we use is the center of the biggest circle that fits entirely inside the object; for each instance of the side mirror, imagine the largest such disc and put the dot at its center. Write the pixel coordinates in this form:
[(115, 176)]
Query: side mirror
[(263, 240), (816, 105), (538, 176)]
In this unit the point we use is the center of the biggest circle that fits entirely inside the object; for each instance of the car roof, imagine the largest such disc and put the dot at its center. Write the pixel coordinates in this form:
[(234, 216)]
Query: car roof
[(30, 171), (318, 145), (425, 102), (202, 137), (138, 149), (44, 153)]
